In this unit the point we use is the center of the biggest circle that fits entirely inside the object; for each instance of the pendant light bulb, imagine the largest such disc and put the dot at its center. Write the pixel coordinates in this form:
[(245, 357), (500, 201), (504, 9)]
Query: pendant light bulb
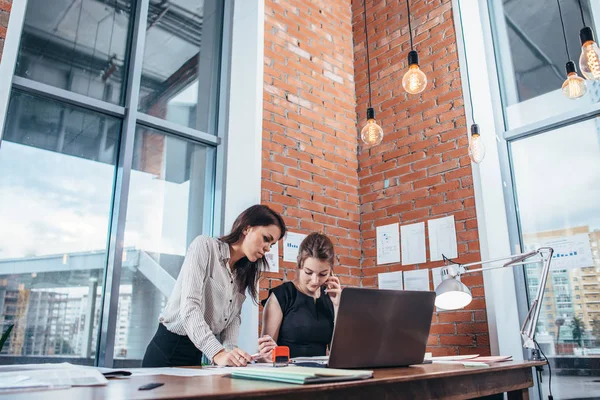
[(414, 80), (574, 86), (476, 146), (589, 61), (371, 134)]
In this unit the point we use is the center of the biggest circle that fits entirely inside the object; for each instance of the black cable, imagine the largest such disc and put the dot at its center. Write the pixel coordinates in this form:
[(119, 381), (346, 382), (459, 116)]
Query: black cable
[(563, 29), (466, 63), (581, 11), (550, 397), (367, 46), (409, 26)]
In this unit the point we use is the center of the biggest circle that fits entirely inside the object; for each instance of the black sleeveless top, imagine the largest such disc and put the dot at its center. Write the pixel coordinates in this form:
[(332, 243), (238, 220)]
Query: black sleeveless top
[(307, 326)]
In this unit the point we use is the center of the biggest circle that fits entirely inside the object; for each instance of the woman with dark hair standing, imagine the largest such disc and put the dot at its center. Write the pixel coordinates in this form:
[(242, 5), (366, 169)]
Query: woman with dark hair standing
[(301, 314), (208, 295)]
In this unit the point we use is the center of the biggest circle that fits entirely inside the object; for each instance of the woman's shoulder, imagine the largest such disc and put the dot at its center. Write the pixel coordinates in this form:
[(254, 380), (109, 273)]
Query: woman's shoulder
[(284, 293), (206, 243), (285, 287)]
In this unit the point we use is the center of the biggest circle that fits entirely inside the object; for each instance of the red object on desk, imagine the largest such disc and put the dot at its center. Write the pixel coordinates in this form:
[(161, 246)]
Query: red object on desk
[(281, 356)]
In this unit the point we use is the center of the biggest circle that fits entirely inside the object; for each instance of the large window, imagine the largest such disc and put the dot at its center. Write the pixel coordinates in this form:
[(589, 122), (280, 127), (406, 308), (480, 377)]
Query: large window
[(531, 56), (552, 158), (96, 201)]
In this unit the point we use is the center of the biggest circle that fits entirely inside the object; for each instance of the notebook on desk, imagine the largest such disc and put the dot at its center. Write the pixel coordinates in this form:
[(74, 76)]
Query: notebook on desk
[(300, 375)]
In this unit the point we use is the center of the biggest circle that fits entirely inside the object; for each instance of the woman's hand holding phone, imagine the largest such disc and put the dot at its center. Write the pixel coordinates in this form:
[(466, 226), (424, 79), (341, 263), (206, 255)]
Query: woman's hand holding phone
[(334, 289)]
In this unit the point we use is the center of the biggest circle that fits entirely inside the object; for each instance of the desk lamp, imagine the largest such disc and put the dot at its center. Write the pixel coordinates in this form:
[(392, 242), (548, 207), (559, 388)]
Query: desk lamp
[(452, 294)]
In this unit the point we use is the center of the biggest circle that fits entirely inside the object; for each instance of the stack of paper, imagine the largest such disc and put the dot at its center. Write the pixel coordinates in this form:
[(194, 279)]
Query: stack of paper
[(301, 375), (50, 378), (321, 360), (472, 360)]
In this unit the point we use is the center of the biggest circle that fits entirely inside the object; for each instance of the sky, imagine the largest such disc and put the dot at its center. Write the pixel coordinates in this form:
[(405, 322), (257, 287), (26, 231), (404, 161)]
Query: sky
[(52, 203)]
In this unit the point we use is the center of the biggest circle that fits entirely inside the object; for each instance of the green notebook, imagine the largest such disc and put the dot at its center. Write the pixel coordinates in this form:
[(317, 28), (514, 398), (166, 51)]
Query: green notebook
[(301, 375)]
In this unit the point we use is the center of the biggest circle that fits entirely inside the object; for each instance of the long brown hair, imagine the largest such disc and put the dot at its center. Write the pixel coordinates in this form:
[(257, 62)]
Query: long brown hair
[(316, 245), (248, 273)]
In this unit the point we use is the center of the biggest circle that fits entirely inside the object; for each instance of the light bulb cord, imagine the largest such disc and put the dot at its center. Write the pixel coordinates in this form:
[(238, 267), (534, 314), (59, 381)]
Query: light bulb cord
[(466, 63), (581, 11), (409, 26), (563, 29), (368, 58)]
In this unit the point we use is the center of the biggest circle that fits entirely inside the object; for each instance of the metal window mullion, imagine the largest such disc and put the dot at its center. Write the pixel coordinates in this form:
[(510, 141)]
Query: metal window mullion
[(177, 129), (223, 120), (66, 96), (10, 54), (110, 301), (555, 122)]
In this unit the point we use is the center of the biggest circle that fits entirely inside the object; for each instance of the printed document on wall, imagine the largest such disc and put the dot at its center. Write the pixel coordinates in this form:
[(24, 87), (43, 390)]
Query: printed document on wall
[(390, 280), (388, 244), (272, 257), (417, 279), (570, 252), (291, 243), (442, 238), (412, 241)]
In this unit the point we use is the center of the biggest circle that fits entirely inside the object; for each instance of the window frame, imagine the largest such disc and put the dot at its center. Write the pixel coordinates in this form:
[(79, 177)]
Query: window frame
[(131, 118)]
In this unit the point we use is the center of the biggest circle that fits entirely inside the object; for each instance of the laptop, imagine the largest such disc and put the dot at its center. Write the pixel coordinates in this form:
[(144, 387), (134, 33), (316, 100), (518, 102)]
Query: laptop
[(381, 328)]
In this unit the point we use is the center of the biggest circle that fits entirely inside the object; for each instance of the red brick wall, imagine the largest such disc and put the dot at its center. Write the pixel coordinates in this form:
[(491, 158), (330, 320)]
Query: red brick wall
[(423, 158), (309, 160), (5, 6)]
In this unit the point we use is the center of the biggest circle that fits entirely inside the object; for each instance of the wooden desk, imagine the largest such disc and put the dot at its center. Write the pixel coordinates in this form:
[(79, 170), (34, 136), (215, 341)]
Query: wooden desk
[(435, 381)]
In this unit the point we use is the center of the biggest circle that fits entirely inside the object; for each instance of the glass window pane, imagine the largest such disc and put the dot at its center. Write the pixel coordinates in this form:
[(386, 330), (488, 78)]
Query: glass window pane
[(181, 62), (170, 203), (557, 183), (57, 170), (531, 56), (78, 46)]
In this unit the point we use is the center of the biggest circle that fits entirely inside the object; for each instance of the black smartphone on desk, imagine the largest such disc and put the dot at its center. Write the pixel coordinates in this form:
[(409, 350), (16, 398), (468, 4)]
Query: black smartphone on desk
[(150, 386)]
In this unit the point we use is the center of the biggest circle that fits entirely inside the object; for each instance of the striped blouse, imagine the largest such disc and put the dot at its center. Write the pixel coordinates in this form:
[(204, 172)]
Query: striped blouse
[(205, 302)]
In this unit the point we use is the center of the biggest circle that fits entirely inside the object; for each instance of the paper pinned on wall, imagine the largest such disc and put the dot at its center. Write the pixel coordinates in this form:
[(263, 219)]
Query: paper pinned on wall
[(412, 240), (390, 280), (388, 244), (442, 238), (570, 252), (291, 243), (417, 279), (272, 257)]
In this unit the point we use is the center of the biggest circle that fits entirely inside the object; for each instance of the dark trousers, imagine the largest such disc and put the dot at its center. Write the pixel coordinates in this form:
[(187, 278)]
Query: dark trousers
[(168, 349)]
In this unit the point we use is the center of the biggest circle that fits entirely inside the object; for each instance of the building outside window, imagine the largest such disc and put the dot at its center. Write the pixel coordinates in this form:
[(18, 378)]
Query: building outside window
[(81, 175)]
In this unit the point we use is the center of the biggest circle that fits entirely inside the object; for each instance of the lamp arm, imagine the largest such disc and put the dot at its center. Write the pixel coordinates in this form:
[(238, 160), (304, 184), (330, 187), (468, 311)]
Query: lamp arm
[(530, 323)]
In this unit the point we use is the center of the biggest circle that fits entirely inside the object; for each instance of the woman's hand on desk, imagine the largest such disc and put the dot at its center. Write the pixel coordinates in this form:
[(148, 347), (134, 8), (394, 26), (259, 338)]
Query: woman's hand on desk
[(266, 344), (233, 358), (334, 289)]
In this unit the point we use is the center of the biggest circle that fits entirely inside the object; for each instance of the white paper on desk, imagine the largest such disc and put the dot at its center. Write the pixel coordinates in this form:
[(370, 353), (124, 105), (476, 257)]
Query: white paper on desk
[(179, 371), (51, 378), (29, 367), (390, 280), (412, 240), (272, 257), (416, 280), (442, 238), (291, 243), (388, 244)]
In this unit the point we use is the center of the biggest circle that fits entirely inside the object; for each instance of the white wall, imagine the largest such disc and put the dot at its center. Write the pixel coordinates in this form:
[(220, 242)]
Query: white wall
[(244, 137), (500, 293)]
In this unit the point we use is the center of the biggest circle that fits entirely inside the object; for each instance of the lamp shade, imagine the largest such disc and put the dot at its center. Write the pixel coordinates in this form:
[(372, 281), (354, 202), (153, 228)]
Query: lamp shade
[(452, 294)]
